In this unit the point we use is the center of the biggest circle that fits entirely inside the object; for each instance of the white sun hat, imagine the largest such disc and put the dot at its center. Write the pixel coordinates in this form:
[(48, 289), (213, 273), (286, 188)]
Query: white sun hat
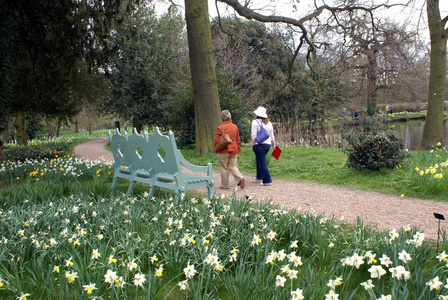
[(261, 112)]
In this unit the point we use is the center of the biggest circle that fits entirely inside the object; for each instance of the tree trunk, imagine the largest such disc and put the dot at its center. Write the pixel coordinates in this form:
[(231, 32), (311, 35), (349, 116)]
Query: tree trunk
[(372, 93), (58, 128), (433, 131), (137, 125), (1, 147), (20, 125), (76, 125), (207, 108)]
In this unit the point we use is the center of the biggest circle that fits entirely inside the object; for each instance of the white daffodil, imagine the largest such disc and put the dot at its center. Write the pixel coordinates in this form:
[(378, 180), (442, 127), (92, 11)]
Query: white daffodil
[(385, 260), (297, 295), (189, 271), (434, 283), (376, 271), (110, 277), (367, 285), (404, 256), (280, 281), (139, 279)]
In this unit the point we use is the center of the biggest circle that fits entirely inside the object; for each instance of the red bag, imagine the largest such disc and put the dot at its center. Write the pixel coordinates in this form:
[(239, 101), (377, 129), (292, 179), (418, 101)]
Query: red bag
[(277, 151), (223, 141)]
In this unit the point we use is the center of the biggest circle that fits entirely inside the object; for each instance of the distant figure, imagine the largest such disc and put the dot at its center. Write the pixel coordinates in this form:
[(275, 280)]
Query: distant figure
[(353, 111), (387, 109), (390, 108), (343, 111)]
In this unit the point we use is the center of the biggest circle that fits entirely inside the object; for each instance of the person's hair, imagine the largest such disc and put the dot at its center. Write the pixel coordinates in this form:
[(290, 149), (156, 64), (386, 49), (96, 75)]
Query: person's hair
[(225, 115)]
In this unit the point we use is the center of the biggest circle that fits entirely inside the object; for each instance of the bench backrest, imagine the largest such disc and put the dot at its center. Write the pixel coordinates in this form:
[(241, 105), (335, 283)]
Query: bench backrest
[(137, 148), (162, 149), (118, 144)]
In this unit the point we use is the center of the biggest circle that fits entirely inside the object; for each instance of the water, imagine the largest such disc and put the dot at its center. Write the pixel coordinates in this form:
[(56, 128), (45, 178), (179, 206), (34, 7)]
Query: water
[(412, 133)]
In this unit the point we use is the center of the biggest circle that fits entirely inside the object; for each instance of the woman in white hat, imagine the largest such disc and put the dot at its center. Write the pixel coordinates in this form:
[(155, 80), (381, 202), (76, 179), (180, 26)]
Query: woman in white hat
[(261, 148)]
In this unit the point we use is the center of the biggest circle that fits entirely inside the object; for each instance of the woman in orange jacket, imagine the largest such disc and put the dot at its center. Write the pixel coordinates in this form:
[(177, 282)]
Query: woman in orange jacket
[(227, 157)]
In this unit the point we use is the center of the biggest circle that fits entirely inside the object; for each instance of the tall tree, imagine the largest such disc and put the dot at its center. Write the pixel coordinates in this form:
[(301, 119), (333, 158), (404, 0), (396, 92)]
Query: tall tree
[(143, 75), (433, 131), (42, 42), (202, 63)]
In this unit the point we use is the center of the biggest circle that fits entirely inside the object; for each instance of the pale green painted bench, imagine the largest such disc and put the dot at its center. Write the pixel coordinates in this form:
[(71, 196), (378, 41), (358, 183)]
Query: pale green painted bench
[(155, 160)]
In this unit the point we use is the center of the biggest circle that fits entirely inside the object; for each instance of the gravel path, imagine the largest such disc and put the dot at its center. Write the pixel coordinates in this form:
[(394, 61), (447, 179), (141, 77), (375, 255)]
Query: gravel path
[(381, 211)]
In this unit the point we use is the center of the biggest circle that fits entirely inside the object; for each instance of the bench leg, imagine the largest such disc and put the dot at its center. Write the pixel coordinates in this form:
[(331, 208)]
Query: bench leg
[(151, 191), (114, 183), (131, 187), (210, 192)]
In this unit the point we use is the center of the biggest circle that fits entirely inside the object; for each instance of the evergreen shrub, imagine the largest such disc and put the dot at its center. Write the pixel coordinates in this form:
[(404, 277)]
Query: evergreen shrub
[(370, 148)]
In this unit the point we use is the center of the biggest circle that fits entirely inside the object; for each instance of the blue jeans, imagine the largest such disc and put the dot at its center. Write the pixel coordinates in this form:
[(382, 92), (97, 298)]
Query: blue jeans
[(260, 158)]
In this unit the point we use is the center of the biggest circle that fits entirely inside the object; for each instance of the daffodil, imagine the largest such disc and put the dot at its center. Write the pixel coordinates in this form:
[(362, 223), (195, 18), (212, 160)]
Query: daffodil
[(385, 260), (183, 285), (23, 296), (280, 281), (297, 295), (393, 234), (71, 276), (159, 271), (132, 265), (153, 259), (367, 285), (271, 235), (404, 256), (139, 279), (68, 262), (370, 257), (331, 295), (400, 272), (387, 297), (110, 277), (434, 283), (293, 274), (255, 240), (95, 254), (357, 260), (376, 271), (189, 271), (89, 288)]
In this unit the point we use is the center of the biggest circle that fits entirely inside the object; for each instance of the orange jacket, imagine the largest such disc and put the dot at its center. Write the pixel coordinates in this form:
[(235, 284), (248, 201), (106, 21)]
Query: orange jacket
[(232, 130)]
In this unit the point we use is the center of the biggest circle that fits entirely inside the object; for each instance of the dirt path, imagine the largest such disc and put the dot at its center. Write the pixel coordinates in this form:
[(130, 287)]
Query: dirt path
[(382, 211)]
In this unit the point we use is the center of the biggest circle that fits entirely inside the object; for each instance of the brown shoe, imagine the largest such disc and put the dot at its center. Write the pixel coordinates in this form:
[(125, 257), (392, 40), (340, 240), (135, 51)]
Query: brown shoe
[(242, 183)]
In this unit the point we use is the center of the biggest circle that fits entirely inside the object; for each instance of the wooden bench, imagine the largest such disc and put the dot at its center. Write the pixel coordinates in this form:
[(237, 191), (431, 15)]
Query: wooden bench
[(155, 160)]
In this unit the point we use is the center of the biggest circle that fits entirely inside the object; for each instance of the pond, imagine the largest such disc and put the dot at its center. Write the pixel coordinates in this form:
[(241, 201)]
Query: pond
[(410, 132)]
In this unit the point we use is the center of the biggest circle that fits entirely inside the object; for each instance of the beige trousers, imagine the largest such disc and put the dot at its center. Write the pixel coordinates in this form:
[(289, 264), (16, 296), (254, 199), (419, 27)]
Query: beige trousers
[(229, 164)]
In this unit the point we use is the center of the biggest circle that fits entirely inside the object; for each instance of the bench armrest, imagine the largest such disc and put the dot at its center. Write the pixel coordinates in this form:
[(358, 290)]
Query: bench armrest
[(195, 168)]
